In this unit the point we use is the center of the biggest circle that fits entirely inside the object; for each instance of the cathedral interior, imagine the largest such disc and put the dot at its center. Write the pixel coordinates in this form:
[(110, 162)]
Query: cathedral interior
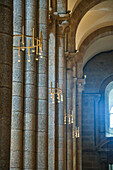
[(56, 80)]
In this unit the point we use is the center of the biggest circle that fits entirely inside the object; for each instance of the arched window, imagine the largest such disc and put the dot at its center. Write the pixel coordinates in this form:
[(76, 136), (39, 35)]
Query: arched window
[(109, 110)]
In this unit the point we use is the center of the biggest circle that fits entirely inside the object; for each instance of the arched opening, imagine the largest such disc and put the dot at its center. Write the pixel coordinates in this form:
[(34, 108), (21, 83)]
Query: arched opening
[(109, 110)]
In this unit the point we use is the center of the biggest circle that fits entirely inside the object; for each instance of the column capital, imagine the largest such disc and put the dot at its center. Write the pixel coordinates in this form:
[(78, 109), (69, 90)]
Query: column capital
[(80, 84), (70, 56), (63, 21)]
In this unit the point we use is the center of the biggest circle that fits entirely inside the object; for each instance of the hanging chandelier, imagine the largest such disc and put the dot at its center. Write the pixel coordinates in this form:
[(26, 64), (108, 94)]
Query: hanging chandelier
[(56, 91), (68, 118), (76, 132), (35, 45)]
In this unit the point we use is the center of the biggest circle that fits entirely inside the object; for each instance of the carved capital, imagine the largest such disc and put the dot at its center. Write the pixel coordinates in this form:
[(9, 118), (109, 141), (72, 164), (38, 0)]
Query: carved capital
[(63, 21), (80, 85)]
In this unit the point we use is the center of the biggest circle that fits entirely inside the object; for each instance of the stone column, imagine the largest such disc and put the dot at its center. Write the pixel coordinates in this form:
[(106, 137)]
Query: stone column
[(42, 120), (30, 91), (6, 40), (17, 91), (69, 110), (59, 120), (51, 105), (80, 87)]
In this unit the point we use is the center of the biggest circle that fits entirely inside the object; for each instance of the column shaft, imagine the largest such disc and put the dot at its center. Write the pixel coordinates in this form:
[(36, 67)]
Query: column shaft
[(51, 106), (60, 116), (74, 122), (42, 124), (69, 110), (79, 140), (6, 40), (30, 90), (17, 91), (65, 109), (80, 86)]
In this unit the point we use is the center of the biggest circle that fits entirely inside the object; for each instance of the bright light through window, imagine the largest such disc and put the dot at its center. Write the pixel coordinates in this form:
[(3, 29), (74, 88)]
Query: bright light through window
[(111, 118), (111, 111), (111, 121)]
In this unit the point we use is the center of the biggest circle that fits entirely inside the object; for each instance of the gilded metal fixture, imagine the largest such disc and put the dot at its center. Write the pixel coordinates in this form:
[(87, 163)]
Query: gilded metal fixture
[(68, 116), (58, 92), (37, 43), (76, 132)]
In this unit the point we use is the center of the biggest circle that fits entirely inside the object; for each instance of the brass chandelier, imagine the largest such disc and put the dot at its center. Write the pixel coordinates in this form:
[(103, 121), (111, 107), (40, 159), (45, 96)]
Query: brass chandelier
[(68, 117), (76, 132), (56, 91), (34, 44)]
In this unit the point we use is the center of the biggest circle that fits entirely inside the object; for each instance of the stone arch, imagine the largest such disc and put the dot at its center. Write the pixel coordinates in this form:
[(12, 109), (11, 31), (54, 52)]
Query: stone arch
[(76, 17), (100, 33)]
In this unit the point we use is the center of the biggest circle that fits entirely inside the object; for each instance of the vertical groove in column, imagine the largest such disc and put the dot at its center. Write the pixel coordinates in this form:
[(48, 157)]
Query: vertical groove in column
[(17, 91), (65, 108), (79, 140), (60, 116), (61, 6), (6, 40), (69, 109), (42, 121), (30, 90), (51, 106), (74, 118), (80, 86)]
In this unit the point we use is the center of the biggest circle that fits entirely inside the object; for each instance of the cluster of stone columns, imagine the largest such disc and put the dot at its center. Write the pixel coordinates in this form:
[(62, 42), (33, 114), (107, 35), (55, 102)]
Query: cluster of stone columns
[(37, 134), (51, 103), (29, 120), (6, 40)]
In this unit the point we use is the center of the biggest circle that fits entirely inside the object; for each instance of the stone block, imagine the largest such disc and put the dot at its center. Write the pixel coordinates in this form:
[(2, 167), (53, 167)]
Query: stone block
[(30, 77), (42, 125), (17, 105), (17, 120), (16, 140), (30, 91), (29, 141), (43, 93), (17, 89), (42, 106), (29, 160), (42, 142), (29, 105), (29, 122), (42, 160)]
